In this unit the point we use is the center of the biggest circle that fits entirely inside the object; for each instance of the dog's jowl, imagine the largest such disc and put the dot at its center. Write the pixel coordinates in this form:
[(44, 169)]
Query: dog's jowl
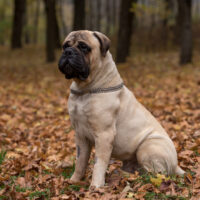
[(105, 113)]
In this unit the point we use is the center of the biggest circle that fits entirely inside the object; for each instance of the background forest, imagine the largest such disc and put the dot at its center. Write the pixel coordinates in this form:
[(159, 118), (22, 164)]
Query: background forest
[(141, 25), (156, 45)]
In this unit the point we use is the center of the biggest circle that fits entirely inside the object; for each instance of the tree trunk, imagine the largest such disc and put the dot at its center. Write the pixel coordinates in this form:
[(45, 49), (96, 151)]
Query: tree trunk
[(125, 30), (91, 15), (177, 28), (36, 20), (98, 10), (2, 18), (79, 15), (18, 19), (114, 13), (108, 16), (2, 10), (57, 32), (26, 27), (50, 30), (64, 27), (185, 31), (165, 19)]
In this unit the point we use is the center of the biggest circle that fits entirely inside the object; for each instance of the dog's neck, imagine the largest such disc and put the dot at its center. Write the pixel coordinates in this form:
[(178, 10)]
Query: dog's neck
[(103, 76)]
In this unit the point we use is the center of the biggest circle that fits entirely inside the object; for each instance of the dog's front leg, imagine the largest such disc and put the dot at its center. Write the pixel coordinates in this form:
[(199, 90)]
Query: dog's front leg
[(103, 150), (83, 149)]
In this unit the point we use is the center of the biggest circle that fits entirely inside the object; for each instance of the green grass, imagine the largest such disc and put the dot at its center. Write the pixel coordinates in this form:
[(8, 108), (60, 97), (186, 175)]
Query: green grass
[(46, 172), (3, 197), (2, 156), (40, 194), (21, 189), (12, 180), (145, 179), (68, 172), (75, 187), (62, 191), (2, 187), (69, 130), (197, 153), (161, 196)]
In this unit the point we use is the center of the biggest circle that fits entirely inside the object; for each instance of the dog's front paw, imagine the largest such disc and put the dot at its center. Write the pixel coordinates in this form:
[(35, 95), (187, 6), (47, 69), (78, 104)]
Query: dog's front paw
[(96, 185), (75, 178)]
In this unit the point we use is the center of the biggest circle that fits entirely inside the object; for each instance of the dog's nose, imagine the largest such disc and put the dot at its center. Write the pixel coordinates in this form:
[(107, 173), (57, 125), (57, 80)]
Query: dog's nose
[(68, 52)]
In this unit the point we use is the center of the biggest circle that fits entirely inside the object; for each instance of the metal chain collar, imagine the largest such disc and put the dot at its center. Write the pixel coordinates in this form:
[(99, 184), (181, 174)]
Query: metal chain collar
[(98, 90)]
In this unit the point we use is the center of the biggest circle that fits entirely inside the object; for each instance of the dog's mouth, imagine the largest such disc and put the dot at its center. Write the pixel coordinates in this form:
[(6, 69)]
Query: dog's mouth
[(71, 72), (74, 66)]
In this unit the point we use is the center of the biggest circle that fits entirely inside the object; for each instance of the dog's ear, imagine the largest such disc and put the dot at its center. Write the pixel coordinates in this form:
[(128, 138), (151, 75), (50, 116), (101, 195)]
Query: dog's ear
[(104, 42)]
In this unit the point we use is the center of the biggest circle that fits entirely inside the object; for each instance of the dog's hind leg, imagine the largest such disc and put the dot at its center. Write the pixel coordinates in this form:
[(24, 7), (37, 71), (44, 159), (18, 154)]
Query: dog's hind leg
[(159, 156)]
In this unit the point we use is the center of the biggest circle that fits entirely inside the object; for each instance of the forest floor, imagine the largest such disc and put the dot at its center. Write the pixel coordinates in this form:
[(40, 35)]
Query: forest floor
[(37, 149)]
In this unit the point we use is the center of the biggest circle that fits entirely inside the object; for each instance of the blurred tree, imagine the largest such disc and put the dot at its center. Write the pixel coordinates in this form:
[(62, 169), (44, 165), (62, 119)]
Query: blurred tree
[(177, 28), (114, 9), (36, 21), (57, 32), (168, 7), (2, 22), (18, 23), (79, 15), (26, 29), (185, 32), (2, 10), (61, 10), (50, 30), (98, 15), (91, 15), (125, 30), (115, 14), (108, 16)]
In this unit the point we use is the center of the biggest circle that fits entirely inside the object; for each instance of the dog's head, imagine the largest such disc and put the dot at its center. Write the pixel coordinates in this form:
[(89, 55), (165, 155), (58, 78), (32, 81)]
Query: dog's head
[(82, 51)]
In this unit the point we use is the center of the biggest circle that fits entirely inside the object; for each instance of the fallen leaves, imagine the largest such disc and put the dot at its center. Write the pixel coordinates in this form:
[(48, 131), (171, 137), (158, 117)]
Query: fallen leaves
[(36, 134)]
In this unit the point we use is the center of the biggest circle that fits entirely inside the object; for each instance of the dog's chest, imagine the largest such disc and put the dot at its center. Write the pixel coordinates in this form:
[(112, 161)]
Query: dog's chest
[(79, 108)]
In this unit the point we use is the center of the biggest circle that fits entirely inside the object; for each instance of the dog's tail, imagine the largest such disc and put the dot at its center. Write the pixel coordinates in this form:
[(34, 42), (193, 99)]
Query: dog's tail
[(179, 171)]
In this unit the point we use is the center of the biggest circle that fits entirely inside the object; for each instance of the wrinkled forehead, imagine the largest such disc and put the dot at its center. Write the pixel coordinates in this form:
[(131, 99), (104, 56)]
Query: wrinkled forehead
[(76, 36)]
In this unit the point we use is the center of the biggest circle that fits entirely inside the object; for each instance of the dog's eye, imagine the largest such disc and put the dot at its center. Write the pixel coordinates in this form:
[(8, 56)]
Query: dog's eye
[(66, 45), (83, 47)]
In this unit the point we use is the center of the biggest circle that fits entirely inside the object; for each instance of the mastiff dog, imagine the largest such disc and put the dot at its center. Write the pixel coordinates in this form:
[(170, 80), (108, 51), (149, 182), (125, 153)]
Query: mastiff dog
[(105, 113)]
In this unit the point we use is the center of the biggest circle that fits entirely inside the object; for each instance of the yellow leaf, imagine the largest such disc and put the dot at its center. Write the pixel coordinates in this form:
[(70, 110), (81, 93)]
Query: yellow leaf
[(60, 109), (46, 167), (158, 180), (130, 195), (11, 154), (66, 117), (177, 127), (22, 150), (162, 176), (37, 124)]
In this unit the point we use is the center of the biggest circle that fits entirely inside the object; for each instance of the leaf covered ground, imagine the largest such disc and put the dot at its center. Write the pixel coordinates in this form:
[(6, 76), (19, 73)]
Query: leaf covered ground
[(37, 149)]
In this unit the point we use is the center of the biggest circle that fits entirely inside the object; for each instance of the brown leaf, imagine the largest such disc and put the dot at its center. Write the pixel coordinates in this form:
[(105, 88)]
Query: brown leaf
[(21, 181)]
